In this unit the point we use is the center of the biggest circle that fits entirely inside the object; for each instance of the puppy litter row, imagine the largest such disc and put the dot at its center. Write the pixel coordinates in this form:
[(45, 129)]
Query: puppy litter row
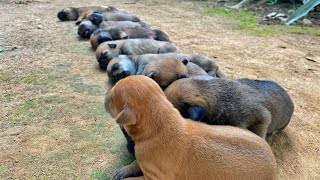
[(166, 86)]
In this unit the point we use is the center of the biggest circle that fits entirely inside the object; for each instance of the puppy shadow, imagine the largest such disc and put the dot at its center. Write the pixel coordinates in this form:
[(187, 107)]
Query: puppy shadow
[(82, 39), (285, 151)]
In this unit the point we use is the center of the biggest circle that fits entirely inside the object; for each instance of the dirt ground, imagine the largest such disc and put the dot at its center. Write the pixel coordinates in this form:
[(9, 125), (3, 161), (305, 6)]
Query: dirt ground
[(53, 124)]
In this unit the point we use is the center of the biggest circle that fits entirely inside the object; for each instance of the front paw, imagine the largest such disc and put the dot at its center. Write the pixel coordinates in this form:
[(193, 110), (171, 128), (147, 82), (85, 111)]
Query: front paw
[(132, 170)]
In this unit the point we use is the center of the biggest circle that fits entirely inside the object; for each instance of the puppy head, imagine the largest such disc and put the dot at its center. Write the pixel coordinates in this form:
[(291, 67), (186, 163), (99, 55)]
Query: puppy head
[(166, 71), (68, 14), (185, 96), (105, 52), (99, 36), (96, 18), (119, 68), (127, 99), (86, 28)]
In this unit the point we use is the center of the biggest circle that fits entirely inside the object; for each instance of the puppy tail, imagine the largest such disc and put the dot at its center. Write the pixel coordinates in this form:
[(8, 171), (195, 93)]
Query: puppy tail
[(160, 35)]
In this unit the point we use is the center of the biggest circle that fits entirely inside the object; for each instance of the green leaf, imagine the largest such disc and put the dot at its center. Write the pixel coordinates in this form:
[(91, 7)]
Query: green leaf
[(301, 11)]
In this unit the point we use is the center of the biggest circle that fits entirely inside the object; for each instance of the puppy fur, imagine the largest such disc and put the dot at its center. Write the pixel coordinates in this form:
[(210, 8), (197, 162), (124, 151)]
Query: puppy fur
[(167, 146), (109, 50), (93, 31), (262, 107), (137, 32), (97, 18), (123, 66), (80, 13)]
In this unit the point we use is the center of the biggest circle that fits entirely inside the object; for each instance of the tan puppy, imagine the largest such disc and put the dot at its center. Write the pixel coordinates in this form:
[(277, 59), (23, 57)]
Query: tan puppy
[(115, 33), (79, 14), (111, 49), (169, 147)]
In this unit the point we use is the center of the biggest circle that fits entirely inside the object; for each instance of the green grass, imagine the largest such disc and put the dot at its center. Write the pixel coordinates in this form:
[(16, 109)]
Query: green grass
[(37, 109), (247, 21)]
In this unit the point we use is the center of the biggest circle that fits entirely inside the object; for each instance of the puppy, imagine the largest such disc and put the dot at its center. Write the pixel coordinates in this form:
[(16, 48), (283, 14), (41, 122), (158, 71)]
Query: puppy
[(207, 64), (97, 18), (109, 50), (123, 66), (262, 107), (86, 28), (126, 33), (167, 146), (79, 14), (163, 71)]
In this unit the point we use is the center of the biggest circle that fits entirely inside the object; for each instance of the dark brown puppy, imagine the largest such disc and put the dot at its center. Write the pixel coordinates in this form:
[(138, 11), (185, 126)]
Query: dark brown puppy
[(171, 147), (97, 18), (123, 66), (262, 107), (137, 32), (109, 50), (80, 13)]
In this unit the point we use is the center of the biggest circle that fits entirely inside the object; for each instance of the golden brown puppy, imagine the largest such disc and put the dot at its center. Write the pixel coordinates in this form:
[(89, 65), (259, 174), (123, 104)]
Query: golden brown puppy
[(167, 146), (166, 71), (115, 33), (79, 14)]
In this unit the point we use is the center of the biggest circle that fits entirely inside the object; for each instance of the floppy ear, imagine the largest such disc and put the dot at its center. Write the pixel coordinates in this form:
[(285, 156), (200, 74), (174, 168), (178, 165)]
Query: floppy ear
[(112, 46), (151, 75), (126, 116), (185, 62)]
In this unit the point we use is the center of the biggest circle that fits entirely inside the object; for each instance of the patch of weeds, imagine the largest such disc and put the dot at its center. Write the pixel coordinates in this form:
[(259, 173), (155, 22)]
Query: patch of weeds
[(123, 159), (34, 109), (84, 50), (296, 29), (59, 156), (92, 89), (244, 20), (5, 77), (3, 170), (2, 49), (247, 21)]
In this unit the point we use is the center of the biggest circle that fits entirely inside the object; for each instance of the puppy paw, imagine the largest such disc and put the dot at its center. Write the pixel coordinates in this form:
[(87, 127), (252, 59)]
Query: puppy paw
[(132, 170)]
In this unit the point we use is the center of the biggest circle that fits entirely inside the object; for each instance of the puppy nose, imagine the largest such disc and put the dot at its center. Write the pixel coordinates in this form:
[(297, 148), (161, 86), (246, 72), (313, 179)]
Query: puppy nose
[(96, 18), (182, 76), (104, 36), (62, 16)]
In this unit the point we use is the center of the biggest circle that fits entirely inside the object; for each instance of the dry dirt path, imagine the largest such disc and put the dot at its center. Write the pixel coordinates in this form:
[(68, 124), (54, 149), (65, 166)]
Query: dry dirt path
[(53, 124)]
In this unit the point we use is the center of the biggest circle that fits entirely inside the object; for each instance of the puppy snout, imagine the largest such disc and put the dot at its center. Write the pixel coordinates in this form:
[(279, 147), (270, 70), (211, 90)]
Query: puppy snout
[(120, 76), (96, 18), (62, 16), (104, 36), (182, 76)]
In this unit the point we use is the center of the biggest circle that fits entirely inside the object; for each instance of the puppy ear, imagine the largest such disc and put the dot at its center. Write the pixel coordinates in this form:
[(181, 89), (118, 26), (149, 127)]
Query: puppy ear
[(126, 116), (112, 46), (115, 66), (185, 62), (151, 75)]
